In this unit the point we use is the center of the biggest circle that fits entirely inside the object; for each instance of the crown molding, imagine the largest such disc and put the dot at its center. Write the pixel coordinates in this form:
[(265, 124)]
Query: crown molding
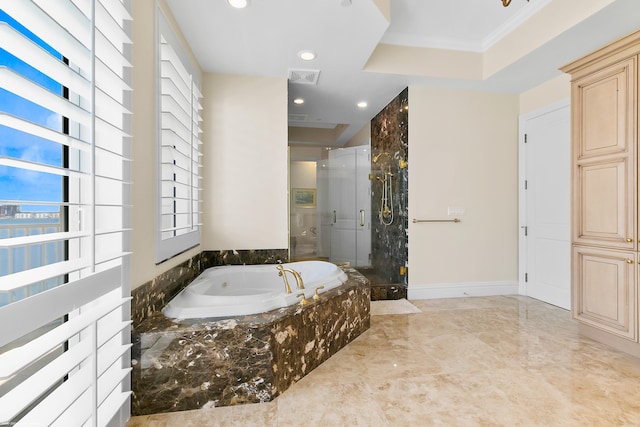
[(514, 22), (481, 46), (412, 40)]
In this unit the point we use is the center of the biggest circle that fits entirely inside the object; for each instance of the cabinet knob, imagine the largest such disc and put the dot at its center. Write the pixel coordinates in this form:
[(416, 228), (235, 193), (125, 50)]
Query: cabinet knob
[(629, 261), (629, 240)]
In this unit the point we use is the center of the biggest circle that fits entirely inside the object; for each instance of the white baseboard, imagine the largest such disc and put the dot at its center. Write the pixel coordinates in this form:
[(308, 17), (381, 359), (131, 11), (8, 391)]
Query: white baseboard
[(459, 290)]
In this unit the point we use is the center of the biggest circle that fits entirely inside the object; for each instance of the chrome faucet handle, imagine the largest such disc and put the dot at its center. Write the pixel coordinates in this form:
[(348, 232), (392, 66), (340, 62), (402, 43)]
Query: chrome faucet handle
[(316, 296), (303, 301)]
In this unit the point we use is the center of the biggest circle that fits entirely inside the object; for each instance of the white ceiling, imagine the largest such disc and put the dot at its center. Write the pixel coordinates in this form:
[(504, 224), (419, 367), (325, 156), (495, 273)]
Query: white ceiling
[(265, 38), (462, 25)]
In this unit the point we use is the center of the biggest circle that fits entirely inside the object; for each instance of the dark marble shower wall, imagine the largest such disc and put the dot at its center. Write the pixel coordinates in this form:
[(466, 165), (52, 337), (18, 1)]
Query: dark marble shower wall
[(389, 148)]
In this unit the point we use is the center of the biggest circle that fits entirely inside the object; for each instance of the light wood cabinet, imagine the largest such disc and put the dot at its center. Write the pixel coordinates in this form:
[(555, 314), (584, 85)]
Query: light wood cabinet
[(604, 104), (605, 289), (604, 116), (604, 213)]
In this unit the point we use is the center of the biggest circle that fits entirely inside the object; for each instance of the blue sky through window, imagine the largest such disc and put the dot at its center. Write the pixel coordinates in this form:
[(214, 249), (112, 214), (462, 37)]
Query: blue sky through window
[(18, 184)]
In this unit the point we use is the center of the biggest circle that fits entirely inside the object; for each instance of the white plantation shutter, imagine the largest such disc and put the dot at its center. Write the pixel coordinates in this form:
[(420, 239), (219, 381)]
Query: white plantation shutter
[(65, 338), (179, 141)]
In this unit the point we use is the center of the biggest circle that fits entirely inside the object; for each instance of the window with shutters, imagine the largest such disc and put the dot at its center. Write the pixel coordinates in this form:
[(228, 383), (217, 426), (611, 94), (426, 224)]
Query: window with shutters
[(64, 211), (179, 141)]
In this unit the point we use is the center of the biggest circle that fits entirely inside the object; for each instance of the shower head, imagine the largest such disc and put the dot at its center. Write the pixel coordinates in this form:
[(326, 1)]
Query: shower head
[(377, 156)]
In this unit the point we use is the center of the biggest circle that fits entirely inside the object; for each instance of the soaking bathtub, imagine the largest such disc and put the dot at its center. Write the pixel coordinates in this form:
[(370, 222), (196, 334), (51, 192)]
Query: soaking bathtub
[(237, 290)]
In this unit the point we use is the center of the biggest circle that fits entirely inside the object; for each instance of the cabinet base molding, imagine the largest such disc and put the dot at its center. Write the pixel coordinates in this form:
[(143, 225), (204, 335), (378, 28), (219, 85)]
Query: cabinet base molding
[(620, 344)]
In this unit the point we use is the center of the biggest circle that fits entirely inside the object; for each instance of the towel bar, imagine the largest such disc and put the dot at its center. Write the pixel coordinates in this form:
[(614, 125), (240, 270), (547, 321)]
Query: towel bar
[(415, 221)]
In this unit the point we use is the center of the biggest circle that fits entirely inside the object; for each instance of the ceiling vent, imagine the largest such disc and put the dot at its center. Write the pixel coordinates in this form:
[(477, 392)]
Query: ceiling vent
[(297, 117), (304, 77)]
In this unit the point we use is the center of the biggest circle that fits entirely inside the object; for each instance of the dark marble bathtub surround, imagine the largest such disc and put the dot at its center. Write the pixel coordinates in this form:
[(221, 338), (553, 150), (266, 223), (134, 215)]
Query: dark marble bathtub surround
[(191, 364), (381, 289), (389, 145), (152, 296)]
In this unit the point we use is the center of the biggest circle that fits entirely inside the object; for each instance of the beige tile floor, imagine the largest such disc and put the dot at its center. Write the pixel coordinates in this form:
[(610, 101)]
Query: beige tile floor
[(485, 361)]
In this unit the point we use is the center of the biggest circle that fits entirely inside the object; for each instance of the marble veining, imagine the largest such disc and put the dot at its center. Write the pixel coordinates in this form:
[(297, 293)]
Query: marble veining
[(381, 289), (390, 147), (152, 296), (200, 363), (482, 361)]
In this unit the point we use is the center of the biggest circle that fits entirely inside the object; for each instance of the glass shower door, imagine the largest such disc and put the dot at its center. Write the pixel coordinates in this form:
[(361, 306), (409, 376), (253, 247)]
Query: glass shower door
[(350, 205)]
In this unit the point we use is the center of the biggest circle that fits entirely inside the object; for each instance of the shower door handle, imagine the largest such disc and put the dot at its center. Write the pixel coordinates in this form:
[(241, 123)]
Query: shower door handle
[(334, 217), (361, 217)]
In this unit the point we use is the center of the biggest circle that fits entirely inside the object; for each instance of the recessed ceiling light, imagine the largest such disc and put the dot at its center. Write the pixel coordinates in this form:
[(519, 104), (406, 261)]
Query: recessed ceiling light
[(238, 4), (298, 101), (362, 104), (307, 55)]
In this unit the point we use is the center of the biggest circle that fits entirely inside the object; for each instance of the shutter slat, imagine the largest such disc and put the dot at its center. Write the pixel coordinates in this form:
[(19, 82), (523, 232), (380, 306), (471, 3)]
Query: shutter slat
[(117, 10), (69, 17), (13, 242), (111, 406), (49, 410), (38, 167), (35, 129), (15, 83), (35, 275), (70, 389), (48, 30), (32, 388), (26, 50)]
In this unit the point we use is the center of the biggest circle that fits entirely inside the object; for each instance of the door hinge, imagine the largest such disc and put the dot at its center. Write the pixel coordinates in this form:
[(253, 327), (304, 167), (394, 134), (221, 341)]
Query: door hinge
[(526, 277)]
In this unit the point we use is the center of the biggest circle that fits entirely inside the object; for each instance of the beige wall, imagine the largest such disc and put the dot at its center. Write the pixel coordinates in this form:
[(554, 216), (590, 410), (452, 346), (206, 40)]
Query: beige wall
[(422, 61), (551, 21), (363, 137), (316, 135), (245, 162), (143, 267), (301, 153), (245, 169), (463, 152), (547, 93), (548, 22), (303, 175)]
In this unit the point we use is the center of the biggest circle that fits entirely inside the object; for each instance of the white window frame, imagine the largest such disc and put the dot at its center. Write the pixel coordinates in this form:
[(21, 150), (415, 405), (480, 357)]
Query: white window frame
[(89, 382), (173, 239)]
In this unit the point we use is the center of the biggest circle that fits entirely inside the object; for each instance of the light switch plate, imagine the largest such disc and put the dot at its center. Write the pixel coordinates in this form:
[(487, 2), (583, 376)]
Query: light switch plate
[(455, 211)]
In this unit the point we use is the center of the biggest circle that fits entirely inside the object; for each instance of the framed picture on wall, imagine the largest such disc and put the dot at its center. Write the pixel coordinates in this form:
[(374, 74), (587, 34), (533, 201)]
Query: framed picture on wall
[(304, 197)]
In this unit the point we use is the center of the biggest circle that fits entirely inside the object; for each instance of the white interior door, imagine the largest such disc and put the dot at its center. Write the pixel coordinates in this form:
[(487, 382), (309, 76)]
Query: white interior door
[(545, 182)]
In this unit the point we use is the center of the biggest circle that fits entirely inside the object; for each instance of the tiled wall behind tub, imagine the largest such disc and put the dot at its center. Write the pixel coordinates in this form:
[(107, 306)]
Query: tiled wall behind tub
[(152, 296)]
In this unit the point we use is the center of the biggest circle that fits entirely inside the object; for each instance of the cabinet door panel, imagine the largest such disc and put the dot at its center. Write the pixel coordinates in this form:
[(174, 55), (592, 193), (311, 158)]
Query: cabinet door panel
[(605, 290), (605, 212), (605, 111)]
